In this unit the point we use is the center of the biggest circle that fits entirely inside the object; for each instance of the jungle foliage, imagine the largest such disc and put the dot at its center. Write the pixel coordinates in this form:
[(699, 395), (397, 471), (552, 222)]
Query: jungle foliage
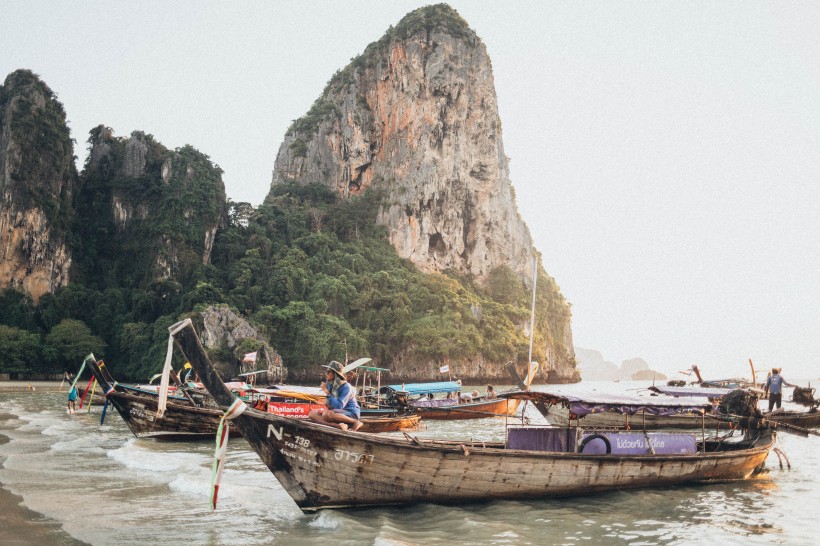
[(314, 274)]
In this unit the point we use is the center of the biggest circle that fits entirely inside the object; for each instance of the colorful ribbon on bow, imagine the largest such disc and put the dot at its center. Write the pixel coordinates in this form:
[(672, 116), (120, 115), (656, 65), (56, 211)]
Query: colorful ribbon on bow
[(235, 410)]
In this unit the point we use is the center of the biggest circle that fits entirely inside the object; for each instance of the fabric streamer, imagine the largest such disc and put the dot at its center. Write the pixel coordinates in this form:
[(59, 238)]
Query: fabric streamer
[(86, 391), (235, 410), (105, 407), (162, 403)]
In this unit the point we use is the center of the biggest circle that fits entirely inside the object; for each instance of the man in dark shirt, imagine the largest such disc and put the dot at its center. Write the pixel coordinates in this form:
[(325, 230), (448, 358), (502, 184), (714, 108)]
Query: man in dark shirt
[(774, 388)]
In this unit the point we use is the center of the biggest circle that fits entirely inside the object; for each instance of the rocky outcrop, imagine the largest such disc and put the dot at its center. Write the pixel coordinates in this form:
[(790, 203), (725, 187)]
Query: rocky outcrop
[(415, 117), (593, 367), (165, 204), (223, 332), (37, 178)]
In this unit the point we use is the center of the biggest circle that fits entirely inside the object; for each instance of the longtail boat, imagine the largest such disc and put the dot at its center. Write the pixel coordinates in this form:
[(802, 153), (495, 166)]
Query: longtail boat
[(322, 467), (421, 398), (191, 414), (562, 415)]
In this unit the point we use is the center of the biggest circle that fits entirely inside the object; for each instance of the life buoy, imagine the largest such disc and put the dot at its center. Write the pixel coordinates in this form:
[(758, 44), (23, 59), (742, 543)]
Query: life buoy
[(591, 437)]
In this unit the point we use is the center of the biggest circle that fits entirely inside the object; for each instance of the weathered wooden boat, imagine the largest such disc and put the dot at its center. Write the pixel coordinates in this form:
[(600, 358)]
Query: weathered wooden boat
[(561, 414), (420, 398), (192, 414), (322, 467)]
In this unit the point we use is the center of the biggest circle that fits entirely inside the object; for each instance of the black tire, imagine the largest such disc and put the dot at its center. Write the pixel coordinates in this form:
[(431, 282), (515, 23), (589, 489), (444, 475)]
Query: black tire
[(591, 437)]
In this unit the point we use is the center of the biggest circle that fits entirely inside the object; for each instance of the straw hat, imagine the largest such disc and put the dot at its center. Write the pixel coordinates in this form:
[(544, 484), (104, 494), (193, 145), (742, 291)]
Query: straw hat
[(337, 368)]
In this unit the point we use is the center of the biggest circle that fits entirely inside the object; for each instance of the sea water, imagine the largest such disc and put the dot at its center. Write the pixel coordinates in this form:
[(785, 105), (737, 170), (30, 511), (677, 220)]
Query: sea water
[(66, 479)]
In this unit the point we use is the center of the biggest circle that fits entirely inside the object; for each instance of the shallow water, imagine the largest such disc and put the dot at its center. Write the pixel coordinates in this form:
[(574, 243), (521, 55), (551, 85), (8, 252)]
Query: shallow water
[(82, 482)]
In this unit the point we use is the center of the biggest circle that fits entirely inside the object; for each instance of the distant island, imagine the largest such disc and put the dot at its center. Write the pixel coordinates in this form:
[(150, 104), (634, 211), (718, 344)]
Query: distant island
[(593, 367)]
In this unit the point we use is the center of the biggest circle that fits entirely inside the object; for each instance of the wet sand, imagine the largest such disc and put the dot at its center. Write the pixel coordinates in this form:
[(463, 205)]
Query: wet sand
[(19, 525)]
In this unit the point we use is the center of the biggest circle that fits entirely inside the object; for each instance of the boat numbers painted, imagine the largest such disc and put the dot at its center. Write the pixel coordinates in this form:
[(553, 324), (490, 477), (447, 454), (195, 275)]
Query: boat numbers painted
[(136, 412), (297, 447), (276, 432)]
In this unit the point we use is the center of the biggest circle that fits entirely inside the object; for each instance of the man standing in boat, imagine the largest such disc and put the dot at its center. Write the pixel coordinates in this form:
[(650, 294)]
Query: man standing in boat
[(342, 407), (774, 388)]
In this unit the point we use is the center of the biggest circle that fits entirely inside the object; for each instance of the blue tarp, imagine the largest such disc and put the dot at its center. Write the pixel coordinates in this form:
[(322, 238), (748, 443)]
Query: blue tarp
[(422, 389)]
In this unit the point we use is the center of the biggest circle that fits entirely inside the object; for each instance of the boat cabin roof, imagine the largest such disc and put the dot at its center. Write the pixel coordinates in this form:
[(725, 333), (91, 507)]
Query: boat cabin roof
[(582, 404), (691, 391), (415, 389)]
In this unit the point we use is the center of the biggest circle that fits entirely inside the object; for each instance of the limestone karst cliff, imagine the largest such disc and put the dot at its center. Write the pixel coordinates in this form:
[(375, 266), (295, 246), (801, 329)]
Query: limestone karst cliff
[(415, 118), (37, 178), (390, 231), (163, 205)]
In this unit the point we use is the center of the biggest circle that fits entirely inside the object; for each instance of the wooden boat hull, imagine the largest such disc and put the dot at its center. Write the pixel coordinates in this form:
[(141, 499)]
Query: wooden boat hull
[(179, 422), (478, 410), (390, 424), (804, 419), (325, 468)]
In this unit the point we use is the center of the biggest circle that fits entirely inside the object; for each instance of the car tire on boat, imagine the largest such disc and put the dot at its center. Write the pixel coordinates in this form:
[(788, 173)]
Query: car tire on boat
[(591, 437)]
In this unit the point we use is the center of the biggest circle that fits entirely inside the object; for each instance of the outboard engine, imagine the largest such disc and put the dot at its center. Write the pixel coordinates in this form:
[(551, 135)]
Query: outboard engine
[(743, 404), (805, 396)]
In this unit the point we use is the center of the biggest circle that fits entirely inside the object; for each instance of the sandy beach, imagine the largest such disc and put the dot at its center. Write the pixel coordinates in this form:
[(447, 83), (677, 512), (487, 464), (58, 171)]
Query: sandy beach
[(36, 386)]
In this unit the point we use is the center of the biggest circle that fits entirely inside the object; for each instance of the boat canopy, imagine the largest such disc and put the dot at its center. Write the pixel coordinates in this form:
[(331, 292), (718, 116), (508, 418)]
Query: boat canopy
[(373, 369), (277, 389), (421, 389), (581, 404), (692, 391)]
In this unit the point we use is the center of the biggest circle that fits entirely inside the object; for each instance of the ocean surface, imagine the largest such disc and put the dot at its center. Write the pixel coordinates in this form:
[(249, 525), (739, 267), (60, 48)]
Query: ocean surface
[(65, 479)]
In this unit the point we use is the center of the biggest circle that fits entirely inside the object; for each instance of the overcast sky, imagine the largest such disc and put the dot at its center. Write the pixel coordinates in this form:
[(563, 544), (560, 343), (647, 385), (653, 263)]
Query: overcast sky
[(665, 155)]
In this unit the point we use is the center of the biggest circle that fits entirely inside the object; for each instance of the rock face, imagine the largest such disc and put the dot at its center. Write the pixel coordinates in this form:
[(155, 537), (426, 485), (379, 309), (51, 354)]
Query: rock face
[(37, 178), (415, 117), (165, 205), (593, 367), (222, 329)]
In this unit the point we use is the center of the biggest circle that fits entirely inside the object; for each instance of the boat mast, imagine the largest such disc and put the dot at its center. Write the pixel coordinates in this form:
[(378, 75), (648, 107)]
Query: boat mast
[(532, 312)]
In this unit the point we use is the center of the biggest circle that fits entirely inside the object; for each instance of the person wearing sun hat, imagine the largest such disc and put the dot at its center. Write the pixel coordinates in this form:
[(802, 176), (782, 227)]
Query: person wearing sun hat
[(342, 407), (774, 388)]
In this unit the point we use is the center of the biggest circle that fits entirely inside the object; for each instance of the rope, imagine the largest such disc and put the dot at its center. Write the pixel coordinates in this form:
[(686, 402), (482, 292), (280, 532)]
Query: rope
[(235, 410)]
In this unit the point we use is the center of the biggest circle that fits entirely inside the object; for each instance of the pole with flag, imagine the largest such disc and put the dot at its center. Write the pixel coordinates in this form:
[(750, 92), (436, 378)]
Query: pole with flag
[(446, 369)]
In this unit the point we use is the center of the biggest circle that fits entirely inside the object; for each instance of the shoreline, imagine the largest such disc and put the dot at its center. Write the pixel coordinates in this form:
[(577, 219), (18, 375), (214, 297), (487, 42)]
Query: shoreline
[(14, 385), (22, 525)]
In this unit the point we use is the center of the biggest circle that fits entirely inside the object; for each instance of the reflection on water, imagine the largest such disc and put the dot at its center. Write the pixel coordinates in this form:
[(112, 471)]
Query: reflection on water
[(143, 491)]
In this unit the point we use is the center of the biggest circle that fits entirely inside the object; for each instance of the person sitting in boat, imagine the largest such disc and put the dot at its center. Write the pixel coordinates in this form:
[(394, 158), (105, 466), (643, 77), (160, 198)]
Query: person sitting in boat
[(490, 392), (774, 388), (465, 398), (342, 407)]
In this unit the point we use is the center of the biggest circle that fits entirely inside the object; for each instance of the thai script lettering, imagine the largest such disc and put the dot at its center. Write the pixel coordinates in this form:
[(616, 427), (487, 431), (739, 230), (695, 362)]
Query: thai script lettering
[(356, 458)]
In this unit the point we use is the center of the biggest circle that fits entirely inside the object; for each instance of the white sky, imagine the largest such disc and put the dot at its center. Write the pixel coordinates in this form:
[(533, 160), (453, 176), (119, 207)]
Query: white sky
[(666, 155)]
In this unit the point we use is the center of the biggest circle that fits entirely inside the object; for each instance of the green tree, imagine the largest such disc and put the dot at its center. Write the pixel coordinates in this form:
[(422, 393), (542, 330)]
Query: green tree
[(73, 340), (21, 351)]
